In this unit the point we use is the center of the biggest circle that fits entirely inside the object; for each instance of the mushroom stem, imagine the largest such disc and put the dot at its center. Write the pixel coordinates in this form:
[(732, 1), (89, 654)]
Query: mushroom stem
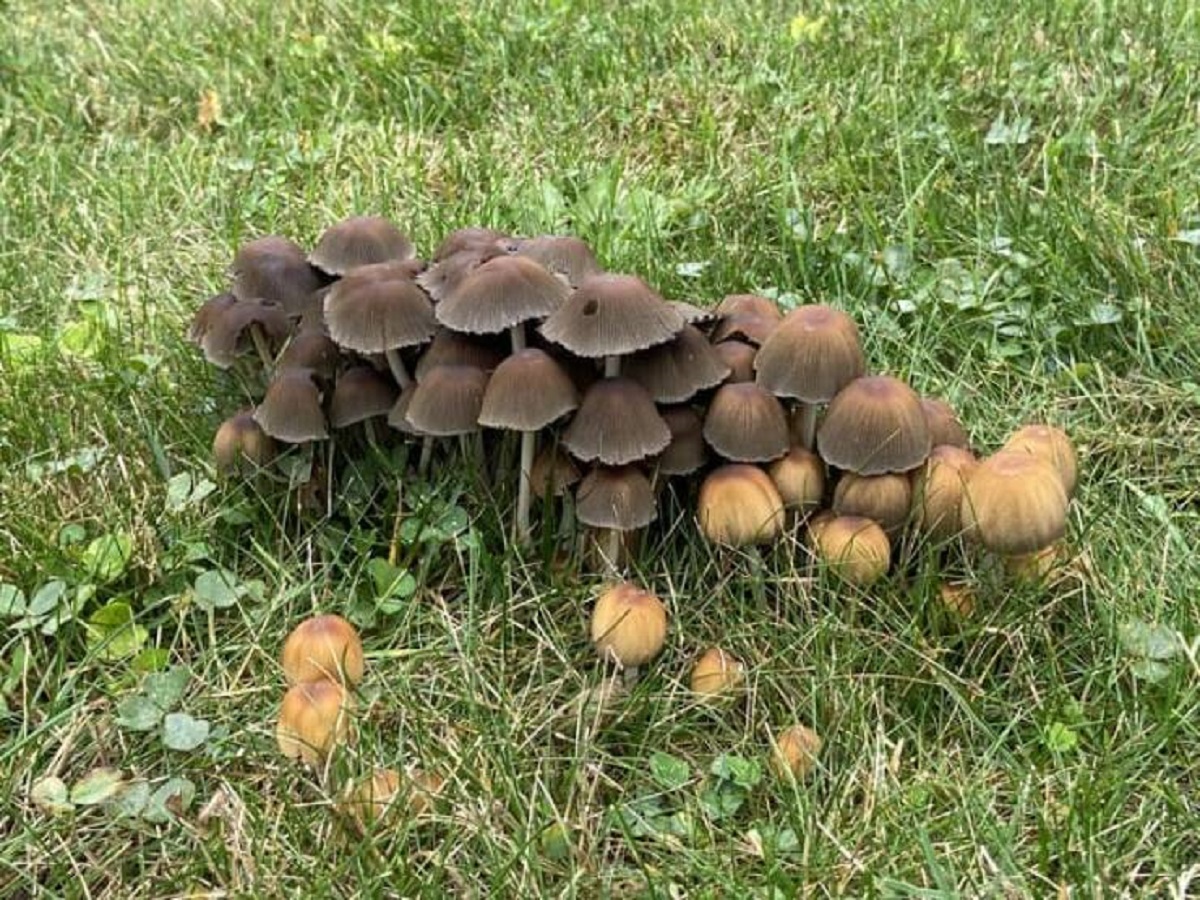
[(260, 344), (399, 372), (806, 424), (426, 455), (517, 335), (528, 445), (612, 366)]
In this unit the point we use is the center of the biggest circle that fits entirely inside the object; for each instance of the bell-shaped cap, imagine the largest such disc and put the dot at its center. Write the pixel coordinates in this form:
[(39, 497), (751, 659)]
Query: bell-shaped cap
[(746, 424), (677, 370), (612, 315), (291, 410), (527, 392), (1014, 503), (500, 293), (619, 498), (617, 423), (811, 356), (360, 241), (874, 426)]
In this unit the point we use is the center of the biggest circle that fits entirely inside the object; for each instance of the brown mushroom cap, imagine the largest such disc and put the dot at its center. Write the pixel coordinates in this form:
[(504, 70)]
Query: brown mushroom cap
[(447, 401), (360, 241), (753, 304), (370, 311), (361, 393), (800, 479), (208, 313), (553, 472), (855, 549), (875, 425), (617, 423), (1050, 444), (274, 269), (617, 498), (739, 506), (240, 439), (527, 392), (449, 348), (629, 625), (739, 357), (746, 424), (500, 293), (566, 256), (291, 410), (313, 349), (885, 499), (473, 238), (677, 370), (687, 452), (938, 491), (944, 427), (1014, 503), (227, 335), (813, 354), (611, 315)]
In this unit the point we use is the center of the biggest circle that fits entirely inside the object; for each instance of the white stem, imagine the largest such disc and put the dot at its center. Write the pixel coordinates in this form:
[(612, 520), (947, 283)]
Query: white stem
[(396, 364), (528, 445)]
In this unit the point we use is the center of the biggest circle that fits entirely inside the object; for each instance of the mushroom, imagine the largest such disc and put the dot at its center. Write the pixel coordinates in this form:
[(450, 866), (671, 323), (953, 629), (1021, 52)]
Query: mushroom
[(944, 426), (813, 354), (629, 626), (938, 491), (617, 423), (855, 549), (527, 392), (240, 439), (274, 269), (360, 241), (885, 499), (568, 257), (746, 424), (501, 295), (799, 476), (1014, 503), (675, 371), (739, 506), (323, 648), (314, 718), (738, 356), (717, 674), (1050, 444), (291, 410), (874, 425), (794, 752), (615, 500), (374, 310)]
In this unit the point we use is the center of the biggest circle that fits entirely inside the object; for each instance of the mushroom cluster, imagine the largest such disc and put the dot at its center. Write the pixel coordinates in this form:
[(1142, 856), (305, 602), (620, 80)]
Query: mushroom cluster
[(611, 391)]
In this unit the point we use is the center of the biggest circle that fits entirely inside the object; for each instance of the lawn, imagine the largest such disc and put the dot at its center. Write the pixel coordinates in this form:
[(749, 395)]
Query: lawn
[(1006, 196)]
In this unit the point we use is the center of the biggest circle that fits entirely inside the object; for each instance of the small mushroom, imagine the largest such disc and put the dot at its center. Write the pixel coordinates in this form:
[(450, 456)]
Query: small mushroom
[(240, 440), (794, 752), (875, 425), (323, 648), (853, 548), (745, 423), (1014, 503), (717, 674), (360, 241), (739, 506), (629, 625), (314, 718), (885, 499)]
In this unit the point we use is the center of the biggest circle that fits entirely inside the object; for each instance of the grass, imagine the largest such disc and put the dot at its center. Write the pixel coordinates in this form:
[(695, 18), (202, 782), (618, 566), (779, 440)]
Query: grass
[(1004, 195)]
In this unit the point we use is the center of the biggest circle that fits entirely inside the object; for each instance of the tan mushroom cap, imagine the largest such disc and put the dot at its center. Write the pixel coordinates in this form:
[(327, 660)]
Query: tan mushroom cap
[(566, 256), (739, 357), (620, 499), (875, 425), (799, 477), (938, 491), (291, 410), (553, 473), (275, 269), (447, 401), (449, 348), (360, 241), (240, 440), (944, 427), (612, 315), (499, 294), (210, 311), (1014, 503), (527, 392), (746, 424), (687, 451), (311, 348), (227, 335), (1050, 444), (677, 370), (885, 499), (617, 423), (629, 625), (854, 548), (740, 506), (813, 354), (370, 311), (361, 393)]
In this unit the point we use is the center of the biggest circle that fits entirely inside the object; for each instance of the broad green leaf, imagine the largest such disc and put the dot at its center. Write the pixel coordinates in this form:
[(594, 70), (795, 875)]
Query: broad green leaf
[(139, 713), (96, 787), (12, 601), (216, 589), (50, 795), (107, 557), (170, 800), (670, 772), (182, 732)]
